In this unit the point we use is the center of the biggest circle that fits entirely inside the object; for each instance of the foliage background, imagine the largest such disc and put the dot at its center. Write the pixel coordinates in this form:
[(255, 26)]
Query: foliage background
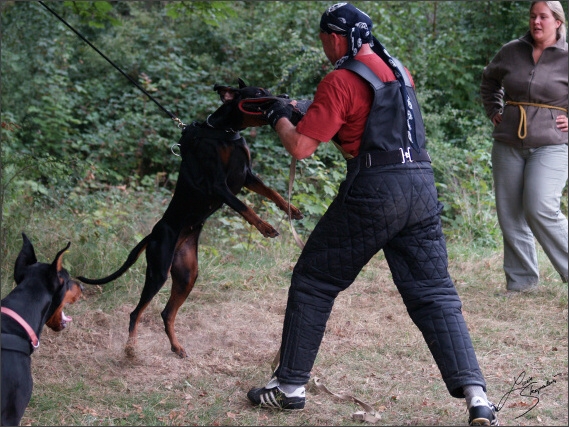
[(85, 157), (78, 136)]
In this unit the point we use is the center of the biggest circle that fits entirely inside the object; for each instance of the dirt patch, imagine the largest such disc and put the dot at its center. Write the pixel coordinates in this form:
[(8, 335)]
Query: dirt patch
[(371, 350)]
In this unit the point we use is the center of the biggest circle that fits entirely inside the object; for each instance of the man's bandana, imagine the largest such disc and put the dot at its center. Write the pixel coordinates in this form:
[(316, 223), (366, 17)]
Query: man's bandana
[(347, 20)]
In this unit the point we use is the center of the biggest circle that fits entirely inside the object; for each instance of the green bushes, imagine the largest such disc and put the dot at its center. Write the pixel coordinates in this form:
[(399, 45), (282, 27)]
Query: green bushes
[(74, 130)]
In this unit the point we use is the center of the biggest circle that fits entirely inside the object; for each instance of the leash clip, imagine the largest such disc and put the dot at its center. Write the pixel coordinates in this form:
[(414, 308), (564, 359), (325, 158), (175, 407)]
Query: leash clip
[(177, 154), (179, 123), (35, 345), (406, 155)]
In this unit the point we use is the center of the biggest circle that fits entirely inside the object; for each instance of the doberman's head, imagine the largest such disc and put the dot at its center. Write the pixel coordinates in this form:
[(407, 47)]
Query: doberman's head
[(69, 293), (47, 283), (229, 116)]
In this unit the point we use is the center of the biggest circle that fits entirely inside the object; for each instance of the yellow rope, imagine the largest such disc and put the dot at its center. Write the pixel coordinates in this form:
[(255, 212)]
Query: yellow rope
[(523, 118)]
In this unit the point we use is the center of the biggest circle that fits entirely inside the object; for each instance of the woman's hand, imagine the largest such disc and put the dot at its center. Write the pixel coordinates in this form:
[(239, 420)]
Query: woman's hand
[(562, 124), (497, 119)]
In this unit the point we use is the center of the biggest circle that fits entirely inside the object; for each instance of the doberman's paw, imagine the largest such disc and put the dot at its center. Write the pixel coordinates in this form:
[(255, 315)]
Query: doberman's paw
[(129, 349), (295, 213), (273, 233), (180, 352), (267, 230)]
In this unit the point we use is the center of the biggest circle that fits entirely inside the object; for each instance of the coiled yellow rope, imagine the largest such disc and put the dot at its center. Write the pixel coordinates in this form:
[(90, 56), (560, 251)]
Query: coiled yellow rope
[(523, 118)]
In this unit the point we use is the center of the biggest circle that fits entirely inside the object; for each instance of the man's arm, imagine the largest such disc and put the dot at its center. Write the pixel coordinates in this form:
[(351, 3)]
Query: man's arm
[(298, 145)]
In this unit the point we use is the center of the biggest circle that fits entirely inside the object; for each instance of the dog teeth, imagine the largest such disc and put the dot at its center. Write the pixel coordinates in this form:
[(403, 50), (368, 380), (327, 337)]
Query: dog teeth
[(65, 318)]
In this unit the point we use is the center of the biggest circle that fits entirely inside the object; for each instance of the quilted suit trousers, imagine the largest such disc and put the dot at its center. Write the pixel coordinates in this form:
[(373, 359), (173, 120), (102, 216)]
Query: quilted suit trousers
[(394, 208)]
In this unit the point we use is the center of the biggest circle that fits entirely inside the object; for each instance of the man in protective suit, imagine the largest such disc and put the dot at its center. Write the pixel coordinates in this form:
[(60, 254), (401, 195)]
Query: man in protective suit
[(388, 201)]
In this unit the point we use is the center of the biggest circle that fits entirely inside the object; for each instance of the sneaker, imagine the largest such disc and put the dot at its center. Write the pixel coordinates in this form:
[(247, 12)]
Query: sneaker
[(482, 414), (271, 396)]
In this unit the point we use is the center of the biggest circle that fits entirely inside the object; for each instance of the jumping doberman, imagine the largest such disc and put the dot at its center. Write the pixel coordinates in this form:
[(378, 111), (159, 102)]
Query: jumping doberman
[(41, 292), (216, 165)]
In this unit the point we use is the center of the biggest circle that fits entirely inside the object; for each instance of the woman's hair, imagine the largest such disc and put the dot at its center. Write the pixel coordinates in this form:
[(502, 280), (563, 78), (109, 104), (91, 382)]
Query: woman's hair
[(558, 13)]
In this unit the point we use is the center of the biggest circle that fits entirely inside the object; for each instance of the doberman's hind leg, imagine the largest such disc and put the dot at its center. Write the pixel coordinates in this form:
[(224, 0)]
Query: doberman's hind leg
[(184, 275), (159, 255)]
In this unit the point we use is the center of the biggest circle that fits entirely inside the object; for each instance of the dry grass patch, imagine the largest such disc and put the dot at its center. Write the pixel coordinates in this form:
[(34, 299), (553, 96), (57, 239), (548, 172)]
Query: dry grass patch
[(231, 327)]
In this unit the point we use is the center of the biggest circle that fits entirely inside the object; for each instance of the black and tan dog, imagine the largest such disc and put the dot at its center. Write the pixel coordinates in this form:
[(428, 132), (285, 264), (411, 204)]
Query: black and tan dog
[(216, 165), (41, 292)]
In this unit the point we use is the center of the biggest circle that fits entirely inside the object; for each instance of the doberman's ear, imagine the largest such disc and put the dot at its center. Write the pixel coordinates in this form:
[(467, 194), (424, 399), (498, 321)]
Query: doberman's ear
[(241, 83), (57, 265), (26, 257), (226, 93)]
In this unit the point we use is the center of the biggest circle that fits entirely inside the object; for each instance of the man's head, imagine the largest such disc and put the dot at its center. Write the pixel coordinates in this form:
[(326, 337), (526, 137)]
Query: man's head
[(346, 20)]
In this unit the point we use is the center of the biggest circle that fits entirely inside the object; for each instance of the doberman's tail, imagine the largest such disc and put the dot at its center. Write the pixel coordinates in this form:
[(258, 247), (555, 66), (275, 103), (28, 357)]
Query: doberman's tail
[(132, 257)]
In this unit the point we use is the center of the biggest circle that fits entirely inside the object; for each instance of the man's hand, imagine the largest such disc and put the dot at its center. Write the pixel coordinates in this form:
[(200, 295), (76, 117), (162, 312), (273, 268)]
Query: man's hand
[(271, 109), (292, 110), (277, 110)]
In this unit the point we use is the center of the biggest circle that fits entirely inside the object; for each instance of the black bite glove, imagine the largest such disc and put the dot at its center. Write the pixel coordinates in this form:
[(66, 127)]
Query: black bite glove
[(278, 110), (299, 110)]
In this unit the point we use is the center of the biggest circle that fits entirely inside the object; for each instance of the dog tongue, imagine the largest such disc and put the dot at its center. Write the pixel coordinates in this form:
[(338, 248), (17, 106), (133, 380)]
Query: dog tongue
[(65, 318)]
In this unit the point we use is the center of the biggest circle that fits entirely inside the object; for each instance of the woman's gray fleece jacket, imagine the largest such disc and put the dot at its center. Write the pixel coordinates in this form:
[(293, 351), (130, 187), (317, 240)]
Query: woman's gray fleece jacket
[(513, 76)]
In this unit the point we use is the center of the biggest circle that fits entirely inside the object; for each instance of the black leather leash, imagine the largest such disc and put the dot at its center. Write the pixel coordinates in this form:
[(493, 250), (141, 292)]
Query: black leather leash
[(172, 116)]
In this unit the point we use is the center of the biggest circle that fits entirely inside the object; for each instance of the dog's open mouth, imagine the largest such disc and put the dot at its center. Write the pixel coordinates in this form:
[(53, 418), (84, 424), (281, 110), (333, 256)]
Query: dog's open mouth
[(65, 319), (58, 321)]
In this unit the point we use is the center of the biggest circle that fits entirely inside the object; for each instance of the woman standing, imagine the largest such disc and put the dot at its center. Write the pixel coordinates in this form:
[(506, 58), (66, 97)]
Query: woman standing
[(524, 90)]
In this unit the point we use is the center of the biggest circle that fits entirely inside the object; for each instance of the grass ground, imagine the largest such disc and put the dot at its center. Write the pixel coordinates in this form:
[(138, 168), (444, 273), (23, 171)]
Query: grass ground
[(231, 325)]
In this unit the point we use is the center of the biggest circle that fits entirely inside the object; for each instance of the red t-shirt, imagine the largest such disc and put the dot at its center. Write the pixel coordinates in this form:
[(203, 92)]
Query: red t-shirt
[(342, 103)]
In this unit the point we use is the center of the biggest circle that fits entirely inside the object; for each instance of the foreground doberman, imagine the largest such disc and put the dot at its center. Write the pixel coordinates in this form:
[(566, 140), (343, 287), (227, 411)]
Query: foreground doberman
[(41, 292), (216, 165)]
